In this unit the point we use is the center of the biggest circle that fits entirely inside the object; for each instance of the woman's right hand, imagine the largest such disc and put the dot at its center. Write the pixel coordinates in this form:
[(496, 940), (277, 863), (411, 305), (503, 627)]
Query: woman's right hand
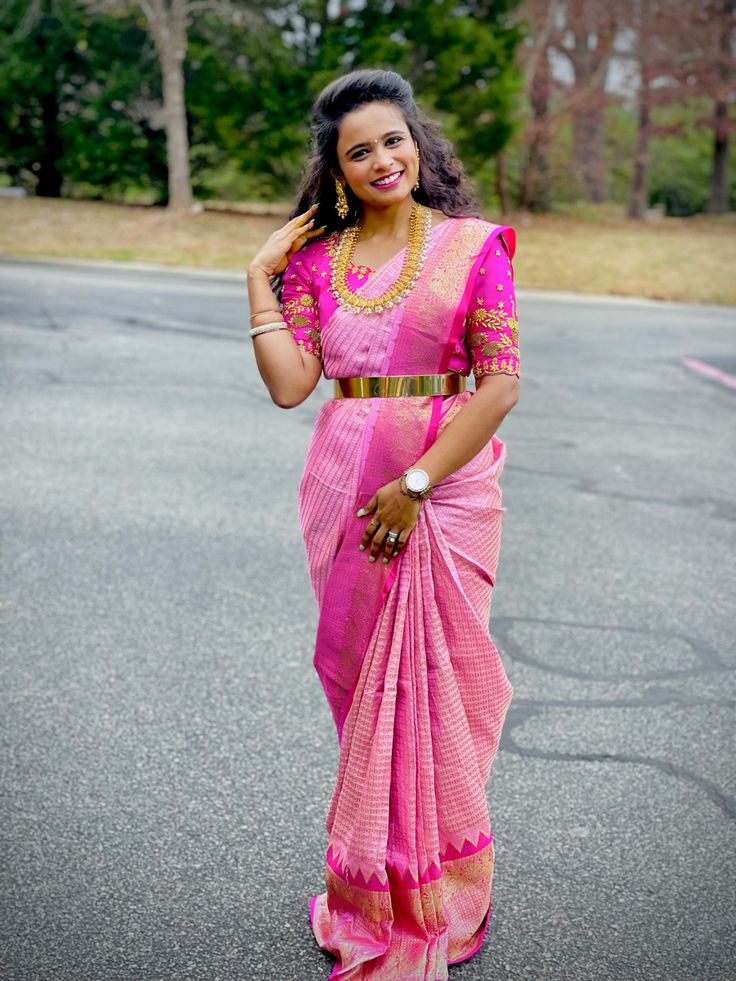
[(275, 254)]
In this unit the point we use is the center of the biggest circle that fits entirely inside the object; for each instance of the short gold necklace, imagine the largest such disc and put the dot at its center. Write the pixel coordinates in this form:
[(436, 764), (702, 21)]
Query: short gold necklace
[(420, 224)]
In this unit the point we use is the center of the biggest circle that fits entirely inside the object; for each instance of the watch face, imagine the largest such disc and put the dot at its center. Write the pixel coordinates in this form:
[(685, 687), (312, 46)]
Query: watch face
[(417, 480)]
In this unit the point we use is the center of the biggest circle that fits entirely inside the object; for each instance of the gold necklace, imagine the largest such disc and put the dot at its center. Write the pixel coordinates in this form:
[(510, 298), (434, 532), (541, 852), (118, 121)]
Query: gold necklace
[(416, 251)]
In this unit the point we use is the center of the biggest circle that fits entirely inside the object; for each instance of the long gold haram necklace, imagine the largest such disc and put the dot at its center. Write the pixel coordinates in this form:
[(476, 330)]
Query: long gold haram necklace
[(420, 224)]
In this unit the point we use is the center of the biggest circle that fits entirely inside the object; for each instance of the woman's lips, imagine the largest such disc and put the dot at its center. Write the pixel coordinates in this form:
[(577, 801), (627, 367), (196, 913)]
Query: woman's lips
[(392, 183)]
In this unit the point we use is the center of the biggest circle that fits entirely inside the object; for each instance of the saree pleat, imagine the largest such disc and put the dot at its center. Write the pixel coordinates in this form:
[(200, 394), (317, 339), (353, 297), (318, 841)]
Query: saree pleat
[(415, 684)]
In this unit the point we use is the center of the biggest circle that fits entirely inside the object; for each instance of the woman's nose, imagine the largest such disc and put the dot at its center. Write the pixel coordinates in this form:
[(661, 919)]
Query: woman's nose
[(383, 158)]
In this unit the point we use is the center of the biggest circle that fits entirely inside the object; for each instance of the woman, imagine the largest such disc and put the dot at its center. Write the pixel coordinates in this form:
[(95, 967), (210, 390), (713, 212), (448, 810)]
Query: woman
[(393, 288)]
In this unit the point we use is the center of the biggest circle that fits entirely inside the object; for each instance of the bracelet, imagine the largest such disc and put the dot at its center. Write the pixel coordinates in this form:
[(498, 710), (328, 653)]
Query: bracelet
[(259, 312), (264, 328)]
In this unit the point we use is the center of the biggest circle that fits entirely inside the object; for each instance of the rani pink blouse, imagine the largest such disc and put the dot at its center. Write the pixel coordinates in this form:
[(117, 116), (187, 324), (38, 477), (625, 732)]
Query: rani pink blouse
[(491, 341)]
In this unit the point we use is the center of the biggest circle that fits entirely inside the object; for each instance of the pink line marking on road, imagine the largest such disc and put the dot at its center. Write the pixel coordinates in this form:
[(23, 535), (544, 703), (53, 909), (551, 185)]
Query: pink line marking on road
[(710, 372)]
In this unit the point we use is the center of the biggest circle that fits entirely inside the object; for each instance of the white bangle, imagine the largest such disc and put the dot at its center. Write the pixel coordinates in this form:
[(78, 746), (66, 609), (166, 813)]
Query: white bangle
[(276, 325)]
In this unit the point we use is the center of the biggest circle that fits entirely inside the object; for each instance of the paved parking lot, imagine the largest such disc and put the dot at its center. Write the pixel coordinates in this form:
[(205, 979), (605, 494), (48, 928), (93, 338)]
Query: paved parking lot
[(167, 755)]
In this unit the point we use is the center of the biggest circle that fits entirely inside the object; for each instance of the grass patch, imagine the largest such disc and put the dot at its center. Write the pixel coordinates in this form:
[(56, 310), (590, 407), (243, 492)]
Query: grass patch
[(685, 259)]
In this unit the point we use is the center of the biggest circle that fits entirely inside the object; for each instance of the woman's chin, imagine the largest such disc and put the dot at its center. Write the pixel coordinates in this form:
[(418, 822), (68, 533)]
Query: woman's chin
[(384, 198)]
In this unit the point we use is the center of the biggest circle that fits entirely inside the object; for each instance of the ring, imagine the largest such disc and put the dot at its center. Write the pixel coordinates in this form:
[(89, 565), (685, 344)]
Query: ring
[(392, 536)]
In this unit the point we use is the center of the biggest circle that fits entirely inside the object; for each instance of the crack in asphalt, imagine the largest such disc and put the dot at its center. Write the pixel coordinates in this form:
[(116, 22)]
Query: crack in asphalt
[(522, 710), (725, 802), (722, 509), (708, 656)]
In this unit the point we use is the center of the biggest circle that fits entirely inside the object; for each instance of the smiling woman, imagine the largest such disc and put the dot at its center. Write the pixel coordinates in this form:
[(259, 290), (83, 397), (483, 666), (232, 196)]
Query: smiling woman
[(393, 287)]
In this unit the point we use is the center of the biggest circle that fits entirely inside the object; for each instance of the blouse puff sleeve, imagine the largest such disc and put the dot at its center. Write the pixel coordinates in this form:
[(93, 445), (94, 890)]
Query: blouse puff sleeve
[(299, 305), (493, 330)]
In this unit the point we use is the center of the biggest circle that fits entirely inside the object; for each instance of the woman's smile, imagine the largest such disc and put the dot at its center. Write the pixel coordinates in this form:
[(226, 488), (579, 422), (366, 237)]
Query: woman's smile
[(390, 180)]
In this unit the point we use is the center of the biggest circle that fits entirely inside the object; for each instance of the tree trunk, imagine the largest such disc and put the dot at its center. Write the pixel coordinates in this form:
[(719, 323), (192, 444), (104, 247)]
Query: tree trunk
[(588, 155), (593, 30), (501, 188), (638, 192), (535, 194), (49, 176), (169, 28), (718, 201), (719, 184)]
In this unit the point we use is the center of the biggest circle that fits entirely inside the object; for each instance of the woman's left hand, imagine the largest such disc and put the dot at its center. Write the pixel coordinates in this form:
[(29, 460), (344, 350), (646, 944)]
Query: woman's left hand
[(391, 511)]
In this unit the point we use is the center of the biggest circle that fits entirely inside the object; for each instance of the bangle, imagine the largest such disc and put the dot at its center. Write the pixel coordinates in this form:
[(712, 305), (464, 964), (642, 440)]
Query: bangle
[(264, 328), (259, 312)]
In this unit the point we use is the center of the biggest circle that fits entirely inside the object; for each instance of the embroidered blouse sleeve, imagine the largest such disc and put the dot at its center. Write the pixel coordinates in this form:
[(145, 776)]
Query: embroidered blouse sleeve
[(299, 305), (493, 330)]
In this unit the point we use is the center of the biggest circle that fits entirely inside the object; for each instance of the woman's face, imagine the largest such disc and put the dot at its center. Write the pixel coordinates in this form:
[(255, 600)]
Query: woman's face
[(377, 154)]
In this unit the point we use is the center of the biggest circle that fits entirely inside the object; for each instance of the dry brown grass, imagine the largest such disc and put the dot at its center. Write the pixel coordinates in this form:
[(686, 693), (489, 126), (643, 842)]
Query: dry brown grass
[(687, 259)]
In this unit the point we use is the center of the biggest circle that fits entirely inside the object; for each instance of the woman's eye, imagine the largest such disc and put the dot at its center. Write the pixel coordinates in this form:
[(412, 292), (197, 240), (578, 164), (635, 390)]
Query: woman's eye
[(389, 142)]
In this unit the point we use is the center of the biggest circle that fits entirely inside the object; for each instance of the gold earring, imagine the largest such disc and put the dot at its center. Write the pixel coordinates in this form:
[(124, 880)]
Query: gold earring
[(341, 206), (416, 186)]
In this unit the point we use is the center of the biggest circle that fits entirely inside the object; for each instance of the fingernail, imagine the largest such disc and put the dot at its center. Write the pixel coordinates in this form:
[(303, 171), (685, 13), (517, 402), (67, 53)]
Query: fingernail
[(362, 548), (372, 558), (361, 512), (385, 560)]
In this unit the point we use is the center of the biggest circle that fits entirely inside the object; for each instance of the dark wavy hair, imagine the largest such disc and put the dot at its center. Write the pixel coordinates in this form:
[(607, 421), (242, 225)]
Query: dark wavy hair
[(443, 182)]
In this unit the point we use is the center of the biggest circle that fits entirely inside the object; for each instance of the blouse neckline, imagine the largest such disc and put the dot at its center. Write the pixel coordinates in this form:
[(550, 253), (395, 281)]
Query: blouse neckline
[(372, 269)]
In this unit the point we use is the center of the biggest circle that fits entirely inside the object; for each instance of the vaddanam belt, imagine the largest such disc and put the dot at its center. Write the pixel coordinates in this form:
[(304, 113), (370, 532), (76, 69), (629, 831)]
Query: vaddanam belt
[(380, 386)]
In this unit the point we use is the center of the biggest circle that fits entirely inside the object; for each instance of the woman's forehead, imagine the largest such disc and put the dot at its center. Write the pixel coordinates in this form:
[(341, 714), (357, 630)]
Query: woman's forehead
[(368, 124)]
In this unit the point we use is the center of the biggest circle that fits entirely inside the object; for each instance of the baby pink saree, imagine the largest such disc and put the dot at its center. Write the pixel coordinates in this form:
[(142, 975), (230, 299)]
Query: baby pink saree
[(414, 682)]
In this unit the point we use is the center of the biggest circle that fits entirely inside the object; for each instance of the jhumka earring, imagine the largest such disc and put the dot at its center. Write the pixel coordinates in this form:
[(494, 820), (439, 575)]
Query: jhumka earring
[(416, 186), (341, 205)]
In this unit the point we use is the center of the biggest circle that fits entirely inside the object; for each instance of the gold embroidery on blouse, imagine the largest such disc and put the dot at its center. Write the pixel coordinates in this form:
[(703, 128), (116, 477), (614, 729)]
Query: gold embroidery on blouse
[(496, 368), (300, 311), (299, 314), (502, 351), (360, 271), (308, 346)]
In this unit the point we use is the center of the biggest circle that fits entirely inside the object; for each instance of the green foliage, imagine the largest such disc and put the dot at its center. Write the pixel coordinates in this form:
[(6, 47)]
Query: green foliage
[(460, 59), (81, 112), (679, 173), (74, 90), (248, 100)]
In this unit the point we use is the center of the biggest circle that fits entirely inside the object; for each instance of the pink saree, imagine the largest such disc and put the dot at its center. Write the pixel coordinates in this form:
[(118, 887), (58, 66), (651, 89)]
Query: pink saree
[(414, 682)]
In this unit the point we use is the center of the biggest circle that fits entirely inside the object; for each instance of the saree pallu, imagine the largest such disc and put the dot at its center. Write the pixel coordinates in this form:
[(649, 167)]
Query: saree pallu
[(414, 682)]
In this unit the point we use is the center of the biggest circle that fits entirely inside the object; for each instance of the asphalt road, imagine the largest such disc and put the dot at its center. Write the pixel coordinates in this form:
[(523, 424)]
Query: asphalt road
[(167, 756)]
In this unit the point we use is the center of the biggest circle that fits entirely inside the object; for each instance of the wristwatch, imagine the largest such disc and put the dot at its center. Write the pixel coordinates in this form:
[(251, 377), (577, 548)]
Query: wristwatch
[(416, 482)]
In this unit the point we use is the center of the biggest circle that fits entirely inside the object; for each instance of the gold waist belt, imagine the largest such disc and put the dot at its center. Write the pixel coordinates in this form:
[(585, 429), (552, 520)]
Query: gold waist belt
[(372, 386)]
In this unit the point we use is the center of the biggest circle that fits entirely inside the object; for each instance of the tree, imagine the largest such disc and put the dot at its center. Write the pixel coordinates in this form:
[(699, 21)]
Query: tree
[(168, 22), (566, 56), (460, 59), (587, 43), (75, 97), (684, 49)]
